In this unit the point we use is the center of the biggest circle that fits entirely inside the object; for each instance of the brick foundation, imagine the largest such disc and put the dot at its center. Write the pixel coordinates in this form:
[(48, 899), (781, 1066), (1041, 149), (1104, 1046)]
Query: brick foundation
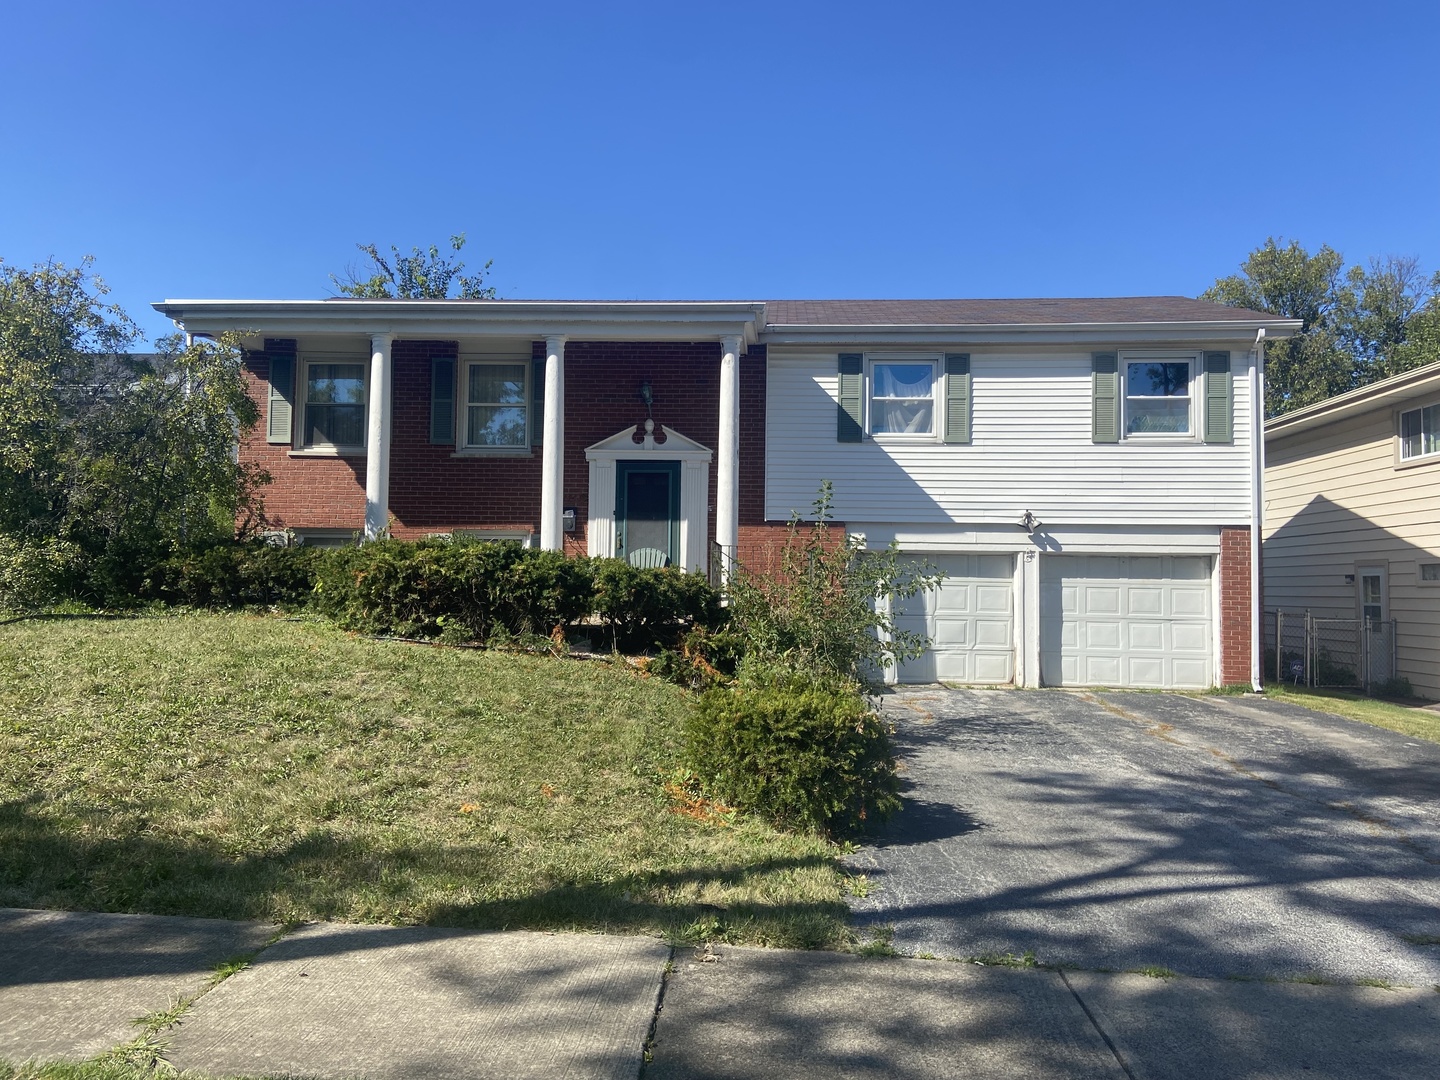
[(1236, 620)]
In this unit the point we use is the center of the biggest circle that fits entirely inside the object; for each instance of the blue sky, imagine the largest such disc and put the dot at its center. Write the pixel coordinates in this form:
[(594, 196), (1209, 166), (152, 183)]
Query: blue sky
[(735, 150)]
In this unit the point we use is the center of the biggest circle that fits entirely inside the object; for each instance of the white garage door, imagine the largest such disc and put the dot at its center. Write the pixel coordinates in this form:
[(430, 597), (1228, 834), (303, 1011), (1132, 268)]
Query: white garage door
[(970, 620), (1141, 621)]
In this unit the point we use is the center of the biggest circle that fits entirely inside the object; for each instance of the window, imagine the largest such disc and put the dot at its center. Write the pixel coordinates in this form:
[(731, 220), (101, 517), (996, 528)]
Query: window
[(1430, 573), (1158, 396), (1419, 433), (902, 397), (333, 404), (497, 397)]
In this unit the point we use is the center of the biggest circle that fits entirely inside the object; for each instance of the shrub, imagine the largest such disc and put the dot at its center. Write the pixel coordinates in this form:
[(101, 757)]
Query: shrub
[(468, 590), (652, 608), (801, 755), (242, 574), (827, 612), (35, 574)]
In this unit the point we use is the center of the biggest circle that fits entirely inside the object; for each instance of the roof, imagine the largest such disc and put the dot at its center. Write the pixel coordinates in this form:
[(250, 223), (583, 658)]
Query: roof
[(1103, 320), (1386, 393), (1059, 311)]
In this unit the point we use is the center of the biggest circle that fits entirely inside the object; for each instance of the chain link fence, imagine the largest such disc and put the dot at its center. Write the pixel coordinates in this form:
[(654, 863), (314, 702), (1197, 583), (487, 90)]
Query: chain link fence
[(1305, 650)]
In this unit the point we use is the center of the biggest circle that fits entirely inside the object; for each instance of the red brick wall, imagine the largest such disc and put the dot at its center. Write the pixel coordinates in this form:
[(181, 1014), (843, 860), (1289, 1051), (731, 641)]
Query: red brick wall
[(305, 492), (1236, 620), (431, 490)]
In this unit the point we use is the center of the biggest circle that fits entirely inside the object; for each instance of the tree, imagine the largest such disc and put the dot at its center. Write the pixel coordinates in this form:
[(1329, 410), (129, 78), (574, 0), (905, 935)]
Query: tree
[(1356, 325), (120, 456), (421, 275)]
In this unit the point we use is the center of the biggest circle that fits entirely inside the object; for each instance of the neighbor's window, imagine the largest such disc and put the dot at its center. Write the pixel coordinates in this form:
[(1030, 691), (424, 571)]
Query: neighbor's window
[(496, 405), (334, 405), (1430, 573), (1419, 432), (902, 397), (1157, 397)]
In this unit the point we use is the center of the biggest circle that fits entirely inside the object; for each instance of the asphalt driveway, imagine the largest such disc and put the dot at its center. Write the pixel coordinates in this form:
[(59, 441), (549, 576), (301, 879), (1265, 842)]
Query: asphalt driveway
[(1219, 836)]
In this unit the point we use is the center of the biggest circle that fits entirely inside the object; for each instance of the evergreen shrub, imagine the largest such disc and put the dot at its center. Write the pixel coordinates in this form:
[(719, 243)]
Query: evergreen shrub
[(800, 754)]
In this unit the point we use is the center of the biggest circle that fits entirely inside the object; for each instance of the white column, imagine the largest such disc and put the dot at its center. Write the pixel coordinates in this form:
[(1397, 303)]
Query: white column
[(377, 442), (727, 458), (552, 455)]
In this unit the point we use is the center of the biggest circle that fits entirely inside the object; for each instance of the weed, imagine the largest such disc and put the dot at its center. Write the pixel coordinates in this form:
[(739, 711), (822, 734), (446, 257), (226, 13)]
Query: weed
[(857, 885), (1379, 984), (1026, 960), (881, 943), (1153, 971)]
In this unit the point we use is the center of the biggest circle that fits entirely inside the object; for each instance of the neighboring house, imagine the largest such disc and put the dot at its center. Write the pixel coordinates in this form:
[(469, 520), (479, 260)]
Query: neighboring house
[(1352, 514), (1084, 471)]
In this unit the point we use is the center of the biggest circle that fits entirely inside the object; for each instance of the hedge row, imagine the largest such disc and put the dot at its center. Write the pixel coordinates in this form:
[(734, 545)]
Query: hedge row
[(455, 590)]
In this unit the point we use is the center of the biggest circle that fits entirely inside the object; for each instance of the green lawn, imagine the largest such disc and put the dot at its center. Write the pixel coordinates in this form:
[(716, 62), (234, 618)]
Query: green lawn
[(252, 767), (1409, 720)]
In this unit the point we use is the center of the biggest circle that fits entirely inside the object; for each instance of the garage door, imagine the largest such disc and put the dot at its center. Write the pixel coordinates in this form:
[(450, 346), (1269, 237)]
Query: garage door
[(970, 620), (1141, 621)]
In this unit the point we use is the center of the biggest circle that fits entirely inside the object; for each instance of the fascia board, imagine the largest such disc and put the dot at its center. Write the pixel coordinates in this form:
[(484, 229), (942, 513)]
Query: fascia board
[(1031, 333), (536, 319), (1385, 394)]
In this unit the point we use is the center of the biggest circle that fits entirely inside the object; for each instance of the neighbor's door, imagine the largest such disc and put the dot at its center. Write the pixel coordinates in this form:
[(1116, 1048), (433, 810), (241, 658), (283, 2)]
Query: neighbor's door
[(1370, 586), (647, 510)]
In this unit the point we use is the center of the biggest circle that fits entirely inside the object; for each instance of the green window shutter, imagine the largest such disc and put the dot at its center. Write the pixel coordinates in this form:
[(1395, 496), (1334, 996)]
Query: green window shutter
[(280, 408), (1104, 397), (957, 397), (537, 402), (1219, 424), (442, 401), (848, 424)]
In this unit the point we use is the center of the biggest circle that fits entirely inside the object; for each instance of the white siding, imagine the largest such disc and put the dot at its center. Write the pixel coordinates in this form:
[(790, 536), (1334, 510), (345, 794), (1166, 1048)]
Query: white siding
[(1031, 450), (1334, 501)]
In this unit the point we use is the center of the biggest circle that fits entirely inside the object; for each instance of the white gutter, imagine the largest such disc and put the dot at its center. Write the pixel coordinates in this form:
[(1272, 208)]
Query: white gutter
[(1257, 508)]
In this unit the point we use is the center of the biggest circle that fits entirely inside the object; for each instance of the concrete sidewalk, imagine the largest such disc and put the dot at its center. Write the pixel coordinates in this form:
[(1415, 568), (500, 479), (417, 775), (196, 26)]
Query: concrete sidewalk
[(334, 1000)]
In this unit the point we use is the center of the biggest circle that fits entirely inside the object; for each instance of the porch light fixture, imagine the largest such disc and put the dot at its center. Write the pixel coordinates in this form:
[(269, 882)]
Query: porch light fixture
[(647, 395), (1029, 522)]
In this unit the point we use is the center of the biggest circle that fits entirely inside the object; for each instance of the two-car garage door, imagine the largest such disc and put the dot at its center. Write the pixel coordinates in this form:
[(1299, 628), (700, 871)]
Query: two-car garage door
[(1142, 621), (1105, 620)]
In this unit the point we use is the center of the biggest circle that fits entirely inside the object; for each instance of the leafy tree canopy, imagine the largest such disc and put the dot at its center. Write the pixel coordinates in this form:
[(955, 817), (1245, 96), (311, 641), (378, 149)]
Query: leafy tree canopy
[(1358, 325), (120, 456), (421, 275)]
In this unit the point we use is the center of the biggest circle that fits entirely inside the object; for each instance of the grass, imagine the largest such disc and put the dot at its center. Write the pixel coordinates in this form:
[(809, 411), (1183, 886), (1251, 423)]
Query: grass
[(251, 767), (1409, 720)]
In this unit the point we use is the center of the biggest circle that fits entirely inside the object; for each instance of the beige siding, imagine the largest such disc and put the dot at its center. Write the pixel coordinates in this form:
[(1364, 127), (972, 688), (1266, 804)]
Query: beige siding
[(1335, 501), (1031, 450)]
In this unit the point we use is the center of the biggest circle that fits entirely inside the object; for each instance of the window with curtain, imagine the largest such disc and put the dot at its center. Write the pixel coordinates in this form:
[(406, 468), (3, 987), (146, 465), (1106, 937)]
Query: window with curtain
[(334, 405), (1419, 432), (902, 397)]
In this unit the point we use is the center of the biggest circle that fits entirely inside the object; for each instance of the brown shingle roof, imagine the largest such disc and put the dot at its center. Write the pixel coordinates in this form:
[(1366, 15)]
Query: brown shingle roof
[(1059, 311)]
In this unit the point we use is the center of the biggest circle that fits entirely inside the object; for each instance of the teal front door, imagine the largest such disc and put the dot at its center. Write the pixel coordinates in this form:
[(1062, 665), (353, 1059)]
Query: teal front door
[(647, 512)]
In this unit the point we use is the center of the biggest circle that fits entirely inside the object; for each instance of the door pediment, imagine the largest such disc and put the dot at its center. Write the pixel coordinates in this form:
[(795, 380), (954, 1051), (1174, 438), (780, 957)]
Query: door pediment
[(622, 444)]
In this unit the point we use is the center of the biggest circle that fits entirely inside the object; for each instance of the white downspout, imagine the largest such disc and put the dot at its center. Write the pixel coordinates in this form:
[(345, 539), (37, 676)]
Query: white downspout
[(1257, 509)]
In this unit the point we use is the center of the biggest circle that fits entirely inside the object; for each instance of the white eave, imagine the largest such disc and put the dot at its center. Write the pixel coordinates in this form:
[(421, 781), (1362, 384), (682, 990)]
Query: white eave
[(577, 319), (1386, 393), (1100, 333)]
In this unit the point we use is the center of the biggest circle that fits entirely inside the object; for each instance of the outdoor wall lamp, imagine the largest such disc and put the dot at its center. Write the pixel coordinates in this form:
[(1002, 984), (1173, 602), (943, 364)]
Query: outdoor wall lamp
[(1028, 521)]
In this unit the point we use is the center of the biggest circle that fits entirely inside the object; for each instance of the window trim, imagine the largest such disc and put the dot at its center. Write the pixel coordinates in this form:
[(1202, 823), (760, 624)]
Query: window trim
[(299, 447), (1401, 461), (937, 371), (1164, 356), (463, 405)]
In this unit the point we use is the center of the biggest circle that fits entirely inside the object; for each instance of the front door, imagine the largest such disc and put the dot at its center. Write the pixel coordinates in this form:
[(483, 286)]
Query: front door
[(647, 512)]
